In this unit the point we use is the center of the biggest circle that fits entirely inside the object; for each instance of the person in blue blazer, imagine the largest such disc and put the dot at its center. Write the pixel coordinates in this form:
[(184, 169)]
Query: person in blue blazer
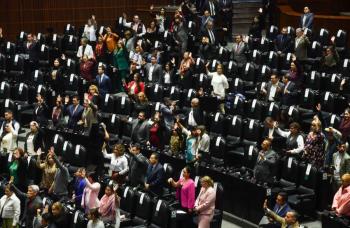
[(155, 175), (73, 111), (103, 81)]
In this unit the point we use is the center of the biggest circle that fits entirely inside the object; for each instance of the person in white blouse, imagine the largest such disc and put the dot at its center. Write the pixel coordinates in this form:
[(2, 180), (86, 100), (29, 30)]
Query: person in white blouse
[(33, 140), (295, 141), (9, 120), (85, 49), (8, 139), (10, 208), (118, 167), (94, 219), (219, 84), (90, 29)]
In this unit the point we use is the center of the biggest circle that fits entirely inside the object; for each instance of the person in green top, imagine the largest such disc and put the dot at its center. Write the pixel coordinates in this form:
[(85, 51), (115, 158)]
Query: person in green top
[(13, 165), (120, 65)]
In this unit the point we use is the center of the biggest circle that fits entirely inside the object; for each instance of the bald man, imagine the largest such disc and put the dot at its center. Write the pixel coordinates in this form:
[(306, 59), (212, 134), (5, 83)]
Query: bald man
[(194, 117), (341, 200)]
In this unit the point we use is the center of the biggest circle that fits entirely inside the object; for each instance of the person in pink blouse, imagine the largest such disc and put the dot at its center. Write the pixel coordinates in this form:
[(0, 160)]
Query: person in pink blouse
[(90, 195), (205, 203), (185, 190), (341, 200)]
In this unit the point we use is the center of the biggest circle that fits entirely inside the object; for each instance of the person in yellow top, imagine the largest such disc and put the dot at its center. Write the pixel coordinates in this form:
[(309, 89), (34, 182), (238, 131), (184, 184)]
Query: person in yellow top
[(289, 221)]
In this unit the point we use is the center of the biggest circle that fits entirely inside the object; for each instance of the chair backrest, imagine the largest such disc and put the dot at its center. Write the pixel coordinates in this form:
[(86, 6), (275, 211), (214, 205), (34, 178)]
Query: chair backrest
[(333, 120), (308, 99), (161, 214), (313, 80), (323, 37), (127, 199), (108, 104), (328, 102), (231, 69), (340, 38), (290, 169), (156, 92), (217, 147), (5, 90), (219, 201), (252, 130), (254, 109), (123, 105), (308, 176), (234, 124), (21, 92), (217, 123), (273, 32), (144, 206), (37, 77), (57, 143), (250, 156)]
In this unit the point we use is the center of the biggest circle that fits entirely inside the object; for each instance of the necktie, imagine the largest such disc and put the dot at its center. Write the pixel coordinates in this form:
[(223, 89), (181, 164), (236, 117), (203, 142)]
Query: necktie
[(212, 37), (212, 9)]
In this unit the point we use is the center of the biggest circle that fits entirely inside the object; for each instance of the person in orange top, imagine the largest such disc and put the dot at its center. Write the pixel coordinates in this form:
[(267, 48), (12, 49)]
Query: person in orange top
[(341, 200), (110, 39)]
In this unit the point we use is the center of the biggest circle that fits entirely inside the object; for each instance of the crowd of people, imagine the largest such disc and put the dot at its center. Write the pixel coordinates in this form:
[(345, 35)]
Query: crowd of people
[(133, 61)]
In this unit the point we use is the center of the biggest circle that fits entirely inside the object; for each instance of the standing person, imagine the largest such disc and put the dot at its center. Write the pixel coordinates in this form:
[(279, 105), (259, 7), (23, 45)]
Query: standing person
[(85, 49), (301, 45), (140, 129), (307, 19), (153, 71), (90, 195), (32, 203), (10, 207), (134, 87), (57, 112), (34, 139), (191, 151), (344, 126), (314, 145), (111, 39), (156, 132), (340, 163), (89, 116), (8, 139), (138, 166), (100, 50), (186, 78), (255, 28), (90, 30), (86, 68), (238, 51), (220, 84), (103, 81), (48, 168), (226, 14), (94, 219), (40, 110), (294, 139), (154, 181), (121, 65), (264, 169), (59, 187), (118, 166), (205, 203), (73, 111), (136, 25), (79, 186), (185, 193), (107, 205)]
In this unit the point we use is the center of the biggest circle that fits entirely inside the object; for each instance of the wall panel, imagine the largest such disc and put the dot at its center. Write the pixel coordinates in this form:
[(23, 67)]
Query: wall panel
[(38, 15)]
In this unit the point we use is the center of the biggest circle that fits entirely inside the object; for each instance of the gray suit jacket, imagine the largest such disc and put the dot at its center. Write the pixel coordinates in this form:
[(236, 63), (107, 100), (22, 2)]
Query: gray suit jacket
[(238, 53), (344, 164), (138, 169), (301, 48), (156, 75), (264, 169), (142, 134), (278, 93)]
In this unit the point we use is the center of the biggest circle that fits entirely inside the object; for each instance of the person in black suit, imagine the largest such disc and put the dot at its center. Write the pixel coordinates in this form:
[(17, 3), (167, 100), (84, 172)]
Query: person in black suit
[(269, 10), (211, 32), (40, 112), (205, 49), (226, 16), (153, 71), (138, 166), (194, 116), (140, 129), (103, 81), (155, 175), (74, 111), (272, 90), (283, 42), (289, 92), (31, 47), (212, 6)]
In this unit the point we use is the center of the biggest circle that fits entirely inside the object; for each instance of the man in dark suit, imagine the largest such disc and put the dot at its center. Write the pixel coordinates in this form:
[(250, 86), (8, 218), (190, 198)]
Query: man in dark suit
[(155, 175), (31, 48), (212, 6), (32, 202), (180, 34), (289, 92), (194, 116), (273, 90), (307, 19), (238, 51), (211, 32), (140, 129), (204, 19), (153, 71), (138, 166), (283, 42), (40, 110), (205, 49), (74, 111), (103, 81), (264, 169), (226, 15)]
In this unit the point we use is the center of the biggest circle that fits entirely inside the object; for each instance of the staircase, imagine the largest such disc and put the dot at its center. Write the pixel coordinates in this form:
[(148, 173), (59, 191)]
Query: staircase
[(243, 13)]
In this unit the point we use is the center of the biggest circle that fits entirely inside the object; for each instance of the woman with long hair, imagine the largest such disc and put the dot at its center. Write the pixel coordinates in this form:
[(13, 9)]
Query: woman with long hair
[(121, 64)]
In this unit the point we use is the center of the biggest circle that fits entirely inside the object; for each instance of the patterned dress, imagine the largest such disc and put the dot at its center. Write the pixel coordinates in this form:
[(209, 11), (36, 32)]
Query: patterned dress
[(314, 149)]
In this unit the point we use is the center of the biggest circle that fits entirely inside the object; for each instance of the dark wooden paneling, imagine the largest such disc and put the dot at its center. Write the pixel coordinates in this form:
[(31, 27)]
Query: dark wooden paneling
[(325, 7), (38, 15), (290, 17)]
